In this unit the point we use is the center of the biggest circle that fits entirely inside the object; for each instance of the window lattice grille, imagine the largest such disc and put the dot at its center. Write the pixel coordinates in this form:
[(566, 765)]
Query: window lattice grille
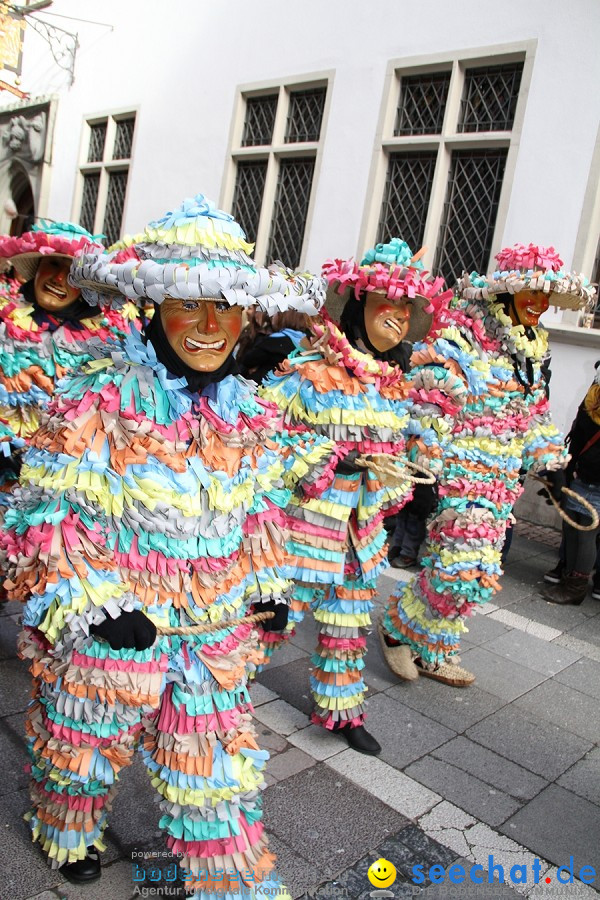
[(470, 212), (89, 199), (291, 209), (305, 114), (97, 139), (259, 121), (422, 103), (248, 195), (490, 98), (115, 201), (406, 197), (123, 138)]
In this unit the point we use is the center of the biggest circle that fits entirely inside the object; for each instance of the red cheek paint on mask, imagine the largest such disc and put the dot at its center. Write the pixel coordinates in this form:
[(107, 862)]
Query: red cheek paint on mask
[(384, 309), (177, 323)]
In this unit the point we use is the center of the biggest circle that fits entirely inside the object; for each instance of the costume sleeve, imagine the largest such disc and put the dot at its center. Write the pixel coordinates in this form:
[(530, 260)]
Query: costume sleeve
[(265, 530), (543, 445), (60, 536), (310, 457), (442, 376)]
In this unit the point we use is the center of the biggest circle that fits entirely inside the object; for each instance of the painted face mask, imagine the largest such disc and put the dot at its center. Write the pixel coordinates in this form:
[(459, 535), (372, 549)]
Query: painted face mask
[(52, 290), (202, 333), (386, 321), (528, 306)]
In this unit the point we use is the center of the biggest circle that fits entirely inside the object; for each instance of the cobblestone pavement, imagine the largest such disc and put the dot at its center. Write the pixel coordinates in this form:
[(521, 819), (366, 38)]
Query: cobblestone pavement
[(509, 767)]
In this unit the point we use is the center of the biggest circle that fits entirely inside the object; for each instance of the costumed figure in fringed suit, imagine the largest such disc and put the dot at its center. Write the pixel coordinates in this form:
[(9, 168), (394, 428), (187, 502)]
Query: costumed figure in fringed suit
[(503, 432), (349, 388), (152, 499), (44, 329)]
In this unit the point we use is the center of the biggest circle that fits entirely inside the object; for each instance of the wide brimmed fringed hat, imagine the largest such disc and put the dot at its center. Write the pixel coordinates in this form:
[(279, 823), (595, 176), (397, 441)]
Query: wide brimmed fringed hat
[(48, 238), (397, 272), (530, 268), (197, 251)]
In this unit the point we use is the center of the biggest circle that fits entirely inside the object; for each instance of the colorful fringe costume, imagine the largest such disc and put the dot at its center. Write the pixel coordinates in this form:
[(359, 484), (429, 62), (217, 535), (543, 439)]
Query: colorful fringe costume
[(338, 541), (141, 495), (37, 349), (504, 430)]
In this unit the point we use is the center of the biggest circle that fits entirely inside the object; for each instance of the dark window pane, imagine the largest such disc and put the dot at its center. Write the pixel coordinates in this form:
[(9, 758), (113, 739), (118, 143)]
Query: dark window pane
[(97, 139), (260, 119), (406, 197), (123, 138), (422, 103), (469, 212), (305, 115), (595, 279), (291, 209), (248, 195), (490, 98), (91, 183), (115, 201)]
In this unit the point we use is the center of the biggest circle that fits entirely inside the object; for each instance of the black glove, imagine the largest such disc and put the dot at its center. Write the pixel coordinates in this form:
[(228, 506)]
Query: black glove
[(279, 620), (130, 630), (558, 480), (347, 465)]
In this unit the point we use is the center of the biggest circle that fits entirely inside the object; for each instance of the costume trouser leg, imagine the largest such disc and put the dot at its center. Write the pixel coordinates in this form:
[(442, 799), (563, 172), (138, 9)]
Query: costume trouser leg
[(459, 573), (198, 743), (82, 727)]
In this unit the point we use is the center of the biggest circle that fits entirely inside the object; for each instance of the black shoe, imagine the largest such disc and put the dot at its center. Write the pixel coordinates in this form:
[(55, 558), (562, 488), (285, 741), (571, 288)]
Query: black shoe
[(555, 575), (83, 871), (596, 592), (359, 739)]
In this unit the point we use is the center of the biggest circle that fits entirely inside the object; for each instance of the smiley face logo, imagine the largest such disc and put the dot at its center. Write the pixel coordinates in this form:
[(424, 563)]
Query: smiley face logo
[(382, 873)]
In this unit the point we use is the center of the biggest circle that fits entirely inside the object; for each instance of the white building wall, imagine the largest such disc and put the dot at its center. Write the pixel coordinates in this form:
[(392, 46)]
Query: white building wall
[(180, 64)]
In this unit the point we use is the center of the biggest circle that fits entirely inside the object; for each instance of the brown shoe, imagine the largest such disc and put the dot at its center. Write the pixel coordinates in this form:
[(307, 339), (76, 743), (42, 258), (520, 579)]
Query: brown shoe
[(455, 676), (570, 592), (398, 658)]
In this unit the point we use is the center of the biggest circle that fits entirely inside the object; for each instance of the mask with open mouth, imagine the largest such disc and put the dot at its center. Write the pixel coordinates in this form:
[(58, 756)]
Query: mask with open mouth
[(52, 290), (386, 321), (194, 339), (527, 307)]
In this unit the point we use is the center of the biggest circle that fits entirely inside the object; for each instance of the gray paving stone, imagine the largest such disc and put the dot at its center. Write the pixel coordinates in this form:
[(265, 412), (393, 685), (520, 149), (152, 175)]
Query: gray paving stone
[(285, 654), (289, 763), (13, 753), (290, 683), (133, 821), (16, 686), (268, 739), (527, 650), (512, 591), (491, 768), (584, 777), (306, 634), (529, 570), (24, 869), (9, 631), (482, 629), (328, 819), (455, 709), (561, 617), (465, 790), (468, 890), (260, 694), (296, 873), (376, 673), (404, 734), (582, 648), (584, 676), (498, 676), (13, 608), (529, 741), (281, 717), (558, 824), (589, 631), (564, 706)]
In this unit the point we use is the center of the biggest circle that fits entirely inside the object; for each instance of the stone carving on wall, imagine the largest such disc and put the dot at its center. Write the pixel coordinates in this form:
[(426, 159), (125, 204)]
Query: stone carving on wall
[(23, 136)]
